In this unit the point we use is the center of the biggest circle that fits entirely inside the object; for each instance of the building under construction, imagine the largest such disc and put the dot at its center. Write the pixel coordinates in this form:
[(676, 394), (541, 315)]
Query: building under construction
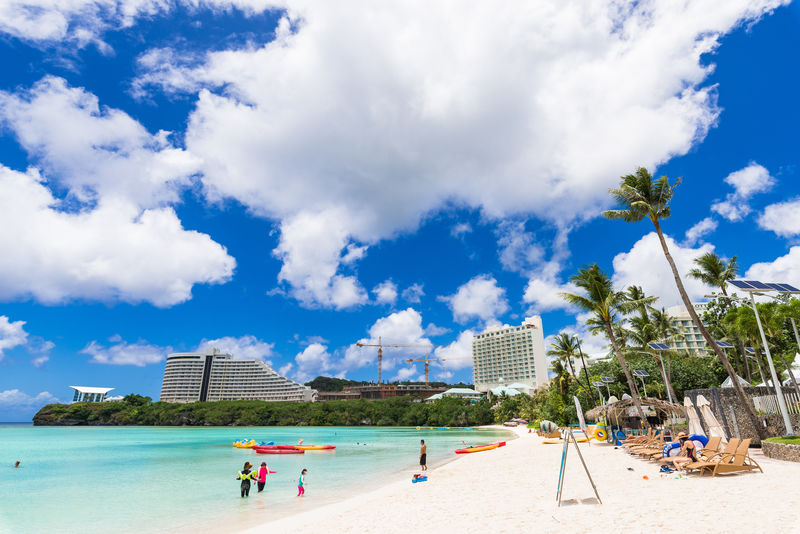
[(381, 391)]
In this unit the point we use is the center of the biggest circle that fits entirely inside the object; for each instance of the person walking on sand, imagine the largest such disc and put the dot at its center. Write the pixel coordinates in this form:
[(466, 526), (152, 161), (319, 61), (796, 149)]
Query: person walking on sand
[(301, 483), (423, 455), (263, 471), (245, 475)]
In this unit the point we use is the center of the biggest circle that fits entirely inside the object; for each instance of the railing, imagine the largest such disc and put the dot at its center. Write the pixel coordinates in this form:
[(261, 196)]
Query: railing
[(768, 404)]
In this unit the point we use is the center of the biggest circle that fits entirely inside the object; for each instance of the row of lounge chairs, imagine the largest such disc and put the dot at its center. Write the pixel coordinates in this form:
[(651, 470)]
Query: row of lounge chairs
[(713, 458)]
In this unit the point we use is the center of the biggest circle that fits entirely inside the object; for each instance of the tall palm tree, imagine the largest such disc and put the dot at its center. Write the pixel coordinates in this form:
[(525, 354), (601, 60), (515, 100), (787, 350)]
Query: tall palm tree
[(640, 196), (565, 347), (605, 306), (637, 294), (665, 331), (714, 271), (562, 377)]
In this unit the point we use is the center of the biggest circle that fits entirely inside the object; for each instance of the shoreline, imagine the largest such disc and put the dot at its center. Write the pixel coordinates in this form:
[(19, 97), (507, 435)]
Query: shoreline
[(513, 488)]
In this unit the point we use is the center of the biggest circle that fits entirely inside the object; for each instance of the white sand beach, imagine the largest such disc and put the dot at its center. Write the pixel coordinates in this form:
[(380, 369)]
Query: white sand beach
[(513, 489)]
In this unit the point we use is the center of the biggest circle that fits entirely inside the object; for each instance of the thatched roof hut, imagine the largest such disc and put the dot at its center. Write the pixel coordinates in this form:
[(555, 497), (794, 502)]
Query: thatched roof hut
[(619, 409)]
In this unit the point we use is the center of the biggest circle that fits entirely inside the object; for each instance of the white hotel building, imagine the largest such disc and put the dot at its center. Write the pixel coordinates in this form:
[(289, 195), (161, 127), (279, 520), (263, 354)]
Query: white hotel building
[(692, 340), (503, 356), (212, 376)]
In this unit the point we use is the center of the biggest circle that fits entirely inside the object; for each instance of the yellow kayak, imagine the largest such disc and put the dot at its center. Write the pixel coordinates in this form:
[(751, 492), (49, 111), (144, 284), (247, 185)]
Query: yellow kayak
[(245, 444), (481, 448), (581, 439), (314, 447)]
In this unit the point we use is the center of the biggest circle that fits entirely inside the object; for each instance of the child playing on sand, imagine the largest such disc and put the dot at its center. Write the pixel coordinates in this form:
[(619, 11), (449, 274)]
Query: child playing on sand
[(301, 482)]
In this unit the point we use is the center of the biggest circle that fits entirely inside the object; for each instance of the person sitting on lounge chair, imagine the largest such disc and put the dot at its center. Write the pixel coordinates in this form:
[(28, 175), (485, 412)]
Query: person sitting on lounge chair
[(688, 452)]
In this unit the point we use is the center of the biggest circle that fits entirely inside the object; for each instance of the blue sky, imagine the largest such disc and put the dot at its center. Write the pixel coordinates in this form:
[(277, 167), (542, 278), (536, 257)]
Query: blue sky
[(284, 180)]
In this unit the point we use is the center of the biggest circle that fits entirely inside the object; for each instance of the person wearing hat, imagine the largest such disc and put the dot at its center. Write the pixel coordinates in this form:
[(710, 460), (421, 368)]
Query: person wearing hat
[(245, 475), (688, 452)]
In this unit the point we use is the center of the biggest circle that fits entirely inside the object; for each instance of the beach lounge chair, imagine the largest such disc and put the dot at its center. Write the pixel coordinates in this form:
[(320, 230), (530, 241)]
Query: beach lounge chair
[(705, 456), (711, 448), (641, 438), (740, 461)]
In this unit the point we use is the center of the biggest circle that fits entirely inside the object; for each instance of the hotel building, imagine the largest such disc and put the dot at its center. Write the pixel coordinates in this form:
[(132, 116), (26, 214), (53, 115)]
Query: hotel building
[(213, 376), (502, 356), (692, 340)]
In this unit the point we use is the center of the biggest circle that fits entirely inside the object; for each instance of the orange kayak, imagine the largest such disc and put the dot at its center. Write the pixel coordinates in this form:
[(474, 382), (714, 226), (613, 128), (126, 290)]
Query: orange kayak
[(314, 447), (481, 448)]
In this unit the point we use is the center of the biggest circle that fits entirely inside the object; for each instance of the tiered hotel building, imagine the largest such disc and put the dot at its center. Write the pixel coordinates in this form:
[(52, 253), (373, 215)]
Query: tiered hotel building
[(692, 340), (505, 356), (213, 376)]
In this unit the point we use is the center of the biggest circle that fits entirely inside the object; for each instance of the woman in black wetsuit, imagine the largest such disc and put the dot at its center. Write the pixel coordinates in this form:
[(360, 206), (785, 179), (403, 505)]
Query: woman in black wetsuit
[(245, 475)]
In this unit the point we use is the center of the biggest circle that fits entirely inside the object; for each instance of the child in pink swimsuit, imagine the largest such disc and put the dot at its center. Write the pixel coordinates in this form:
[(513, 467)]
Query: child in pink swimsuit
[(301, 482)]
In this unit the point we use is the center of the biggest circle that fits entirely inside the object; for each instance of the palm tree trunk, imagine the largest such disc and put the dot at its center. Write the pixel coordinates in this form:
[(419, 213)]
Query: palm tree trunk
[(791, 374), (631, 384), (757, 425), (669, 384)]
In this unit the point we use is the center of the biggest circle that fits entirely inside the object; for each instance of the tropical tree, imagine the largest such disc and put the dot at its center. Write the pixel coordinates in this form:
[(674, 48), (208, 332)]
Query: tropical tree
[(640, 196), (563, 376), (565, 347), (714, 271), (605, 306)]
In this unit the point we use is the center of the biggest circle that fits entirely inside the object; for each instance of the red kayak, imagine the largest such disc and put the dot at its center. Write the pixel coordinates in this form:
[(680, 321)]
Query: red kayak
[(271, 450)]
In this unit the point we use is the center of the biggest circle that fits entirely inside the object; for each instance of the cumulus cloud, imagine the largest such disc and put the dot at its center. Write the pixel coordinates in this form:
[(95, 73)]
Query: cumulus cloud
[(413, 293), (645, 265), (746, 182), (784, 269), (461, 229), (12, 334), (385, 292), (699, 230), (14, 398), (246, 347), (783, 218), (543, 291), (479, 298), (405, 373), (113, 236), (315, 360), (402, 123), (434, 330), (517, 248), (121, 352), (458, 354)]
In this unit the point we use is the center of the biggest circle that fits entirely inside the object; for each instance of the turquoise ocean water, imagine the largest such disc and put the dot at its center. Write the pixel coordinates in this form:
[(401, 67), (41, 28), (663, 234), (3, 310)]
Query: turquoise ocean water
[(168, 479)]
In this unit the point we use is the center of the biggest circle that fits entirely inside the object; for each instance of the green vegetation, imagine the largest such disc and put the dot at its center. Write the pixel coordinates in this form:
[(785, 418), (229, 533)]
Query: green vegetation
[(786, 440), (399, 411), (329, 383)]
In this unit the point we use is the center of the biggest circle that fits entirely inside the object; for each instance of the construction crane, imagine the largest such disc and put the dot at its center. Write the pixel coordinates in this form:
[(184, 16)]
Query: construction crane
[(429, 360), (380, 346)]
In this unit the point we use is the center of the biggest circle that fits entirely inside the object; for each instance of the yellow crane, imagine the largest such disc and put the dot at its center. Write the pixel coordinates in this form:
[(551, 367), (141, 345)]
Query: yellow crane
[(380, 344), (429, 360)]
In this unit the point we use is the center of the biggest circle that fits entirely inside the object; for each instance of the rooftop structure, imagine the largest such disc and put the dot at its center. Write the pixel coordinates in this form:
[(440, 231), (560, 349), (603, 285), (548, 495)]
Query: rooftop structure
[(212, 376), (504, 355), (463, 393), (692, 340), (89, 394), (387, 391)]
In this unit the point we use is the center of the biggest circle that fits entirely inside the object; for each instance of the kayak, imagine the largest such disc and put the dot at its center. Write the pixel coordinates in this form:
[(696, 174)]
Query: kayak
[(481, 448), (270, 450), (314, 447), (244, 444)]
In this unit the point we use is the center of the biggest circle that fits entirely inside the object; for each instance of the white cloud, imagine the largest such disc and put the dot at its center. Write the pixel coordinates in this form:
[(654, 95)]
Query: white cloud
[(12, 334), (246, 347), (543, 292), (460, 229), (458, 354), (645, 265), (783, 218), (385, 292), (413, 293), (517, 248), (19, 399), (405, 373), (699, 230), (746, 182), (401, 123), (784, 269), (315, 360), (434, 330), (40, 360), (121, 352), (479, 298), (113, 236)]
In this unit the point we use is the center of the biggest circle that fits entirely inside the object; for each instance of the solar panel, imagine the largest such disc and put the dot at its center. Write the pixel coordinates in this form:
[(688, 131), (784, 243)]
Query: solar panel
[(640, 372), (788, 288), (776, 287), (750, 350), (741, 284), (607, 379), (598, 384), (724, 345), (658, 346), (758, 285)]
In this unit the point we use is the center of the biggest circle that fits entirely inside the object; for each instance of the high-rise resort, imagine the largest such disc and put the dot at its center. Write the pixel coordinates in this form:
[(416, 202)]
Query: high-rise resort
[(510, 357), (214, 376)]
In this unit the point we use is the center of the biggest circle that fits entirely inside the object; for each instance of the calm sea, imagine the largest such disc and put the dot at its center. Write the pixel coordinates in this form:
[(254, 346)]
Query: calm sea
[(145, 479)]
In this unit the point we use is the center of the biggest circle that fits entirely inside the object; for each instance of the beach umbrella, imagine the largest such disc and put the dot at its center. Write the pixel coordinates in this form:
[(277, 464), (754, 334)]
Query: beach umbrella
[(548, 426), (694, 420), (714, 428)]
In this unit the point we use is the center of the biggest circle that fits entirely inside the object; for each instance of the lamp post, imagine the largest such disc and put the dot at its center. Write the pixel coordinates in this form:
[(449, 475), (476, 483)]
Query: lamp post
[(585, 371), (663, 372)]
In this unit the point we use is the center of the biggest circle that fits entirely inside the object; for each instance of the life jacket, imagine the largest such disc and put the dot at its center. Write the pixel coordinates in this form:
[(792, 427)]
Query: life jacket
[(247, 476)]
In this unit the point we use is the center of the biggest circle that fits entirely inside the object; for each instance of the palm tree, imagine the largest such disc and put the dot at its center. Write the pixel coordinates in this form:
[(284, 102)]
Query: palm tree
[(713, 271), (640, 196), (562, 377), (605, 306), (643, 331), (565, 347), (637, 294)]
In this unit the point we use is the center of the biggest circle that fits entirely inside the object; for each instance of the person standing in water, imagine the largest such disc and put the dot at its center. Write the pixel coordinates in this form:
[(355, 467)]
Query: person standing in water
[(301, 483), (423, 455), (245, 475), (263, 471)]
